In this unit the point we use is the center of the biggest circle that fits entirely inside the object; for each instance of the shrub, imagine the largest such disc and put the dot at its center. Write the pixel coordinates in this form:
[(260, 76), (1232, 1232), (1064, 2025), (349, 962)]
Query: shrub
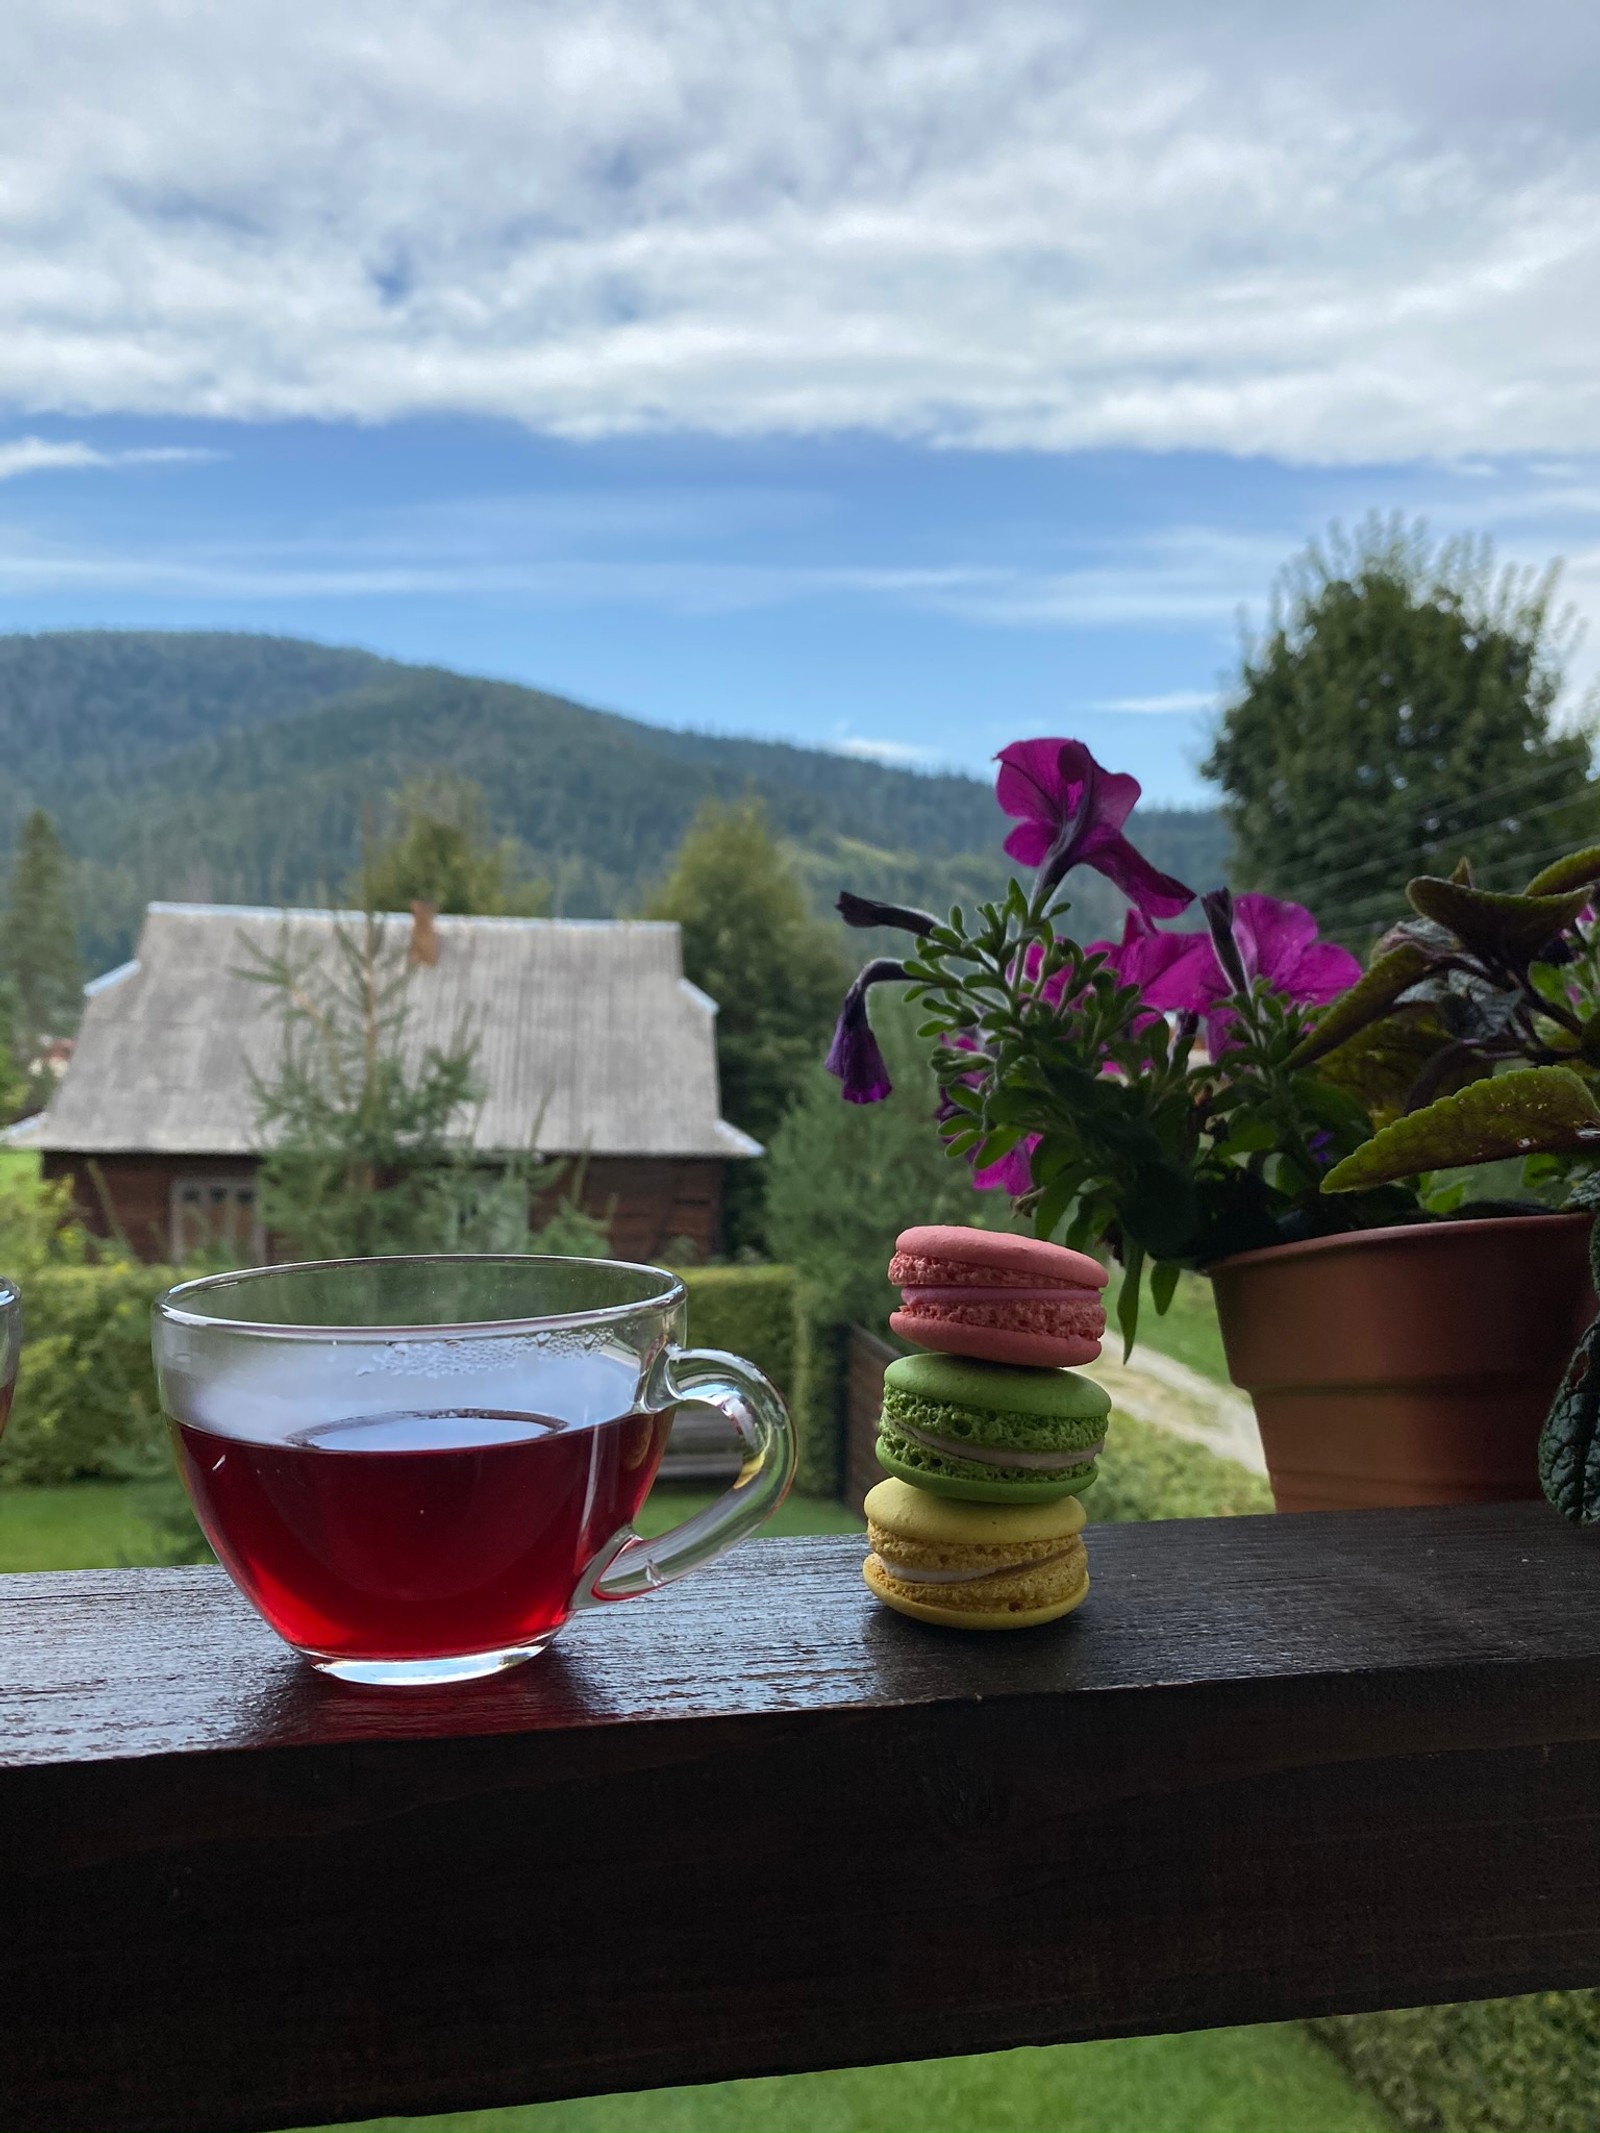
[(86, 1402), (1144, 1473), (749, 1310), (1491, 2066), (770, 1315)]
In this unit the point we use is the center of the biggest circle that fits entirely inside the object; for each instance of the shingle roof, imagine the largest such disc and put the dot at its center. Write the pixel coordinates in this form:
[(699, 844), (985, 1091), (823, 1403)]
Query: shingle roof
[(590, 1039)]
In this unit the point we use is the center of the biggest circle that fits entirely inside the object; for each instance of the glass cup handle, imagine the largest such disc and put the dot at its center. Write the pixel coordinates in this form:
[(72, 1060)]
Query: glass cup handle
[(705, 1377)]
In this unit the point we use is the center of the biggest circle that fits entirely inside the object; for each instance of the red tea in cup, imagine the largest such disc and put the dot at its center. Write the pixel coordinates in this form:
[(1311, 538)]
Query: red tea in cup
[(417, 1469)]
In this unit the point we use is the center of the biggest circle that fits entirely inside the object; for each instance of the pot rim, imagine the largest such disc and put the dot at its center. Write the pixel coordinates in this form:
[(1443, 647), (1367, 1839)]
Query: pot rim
[(1410, 1232)]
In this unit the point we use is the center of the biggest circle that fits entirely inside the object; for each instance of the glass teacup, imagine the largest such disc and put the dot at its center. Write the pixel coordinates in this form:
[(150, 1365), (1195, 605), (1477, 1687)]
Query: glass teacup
[(10, 1343), (417, 1469)]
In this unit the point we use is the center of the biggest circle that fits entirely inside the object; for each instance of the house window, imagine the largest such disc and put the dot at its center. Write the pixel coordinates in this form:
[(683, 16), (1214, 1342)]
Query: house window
[(216, 1215)]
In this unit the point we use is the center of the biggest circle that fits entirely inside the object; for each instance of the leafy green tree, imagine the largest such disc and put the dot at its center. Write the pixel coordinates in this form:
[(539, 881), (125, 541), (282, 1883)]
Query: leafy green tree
[(1397, 713), (776, 973), (845, 1179), (41, 941), (440, 850)]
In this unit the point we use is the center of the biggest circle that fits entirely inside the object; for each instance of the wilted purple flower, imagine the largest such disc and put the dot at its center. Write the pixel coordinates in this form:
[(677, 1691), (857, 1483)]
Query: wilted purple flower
[(1070, 814), (867, 911), (854, 1058), (1218, 907)]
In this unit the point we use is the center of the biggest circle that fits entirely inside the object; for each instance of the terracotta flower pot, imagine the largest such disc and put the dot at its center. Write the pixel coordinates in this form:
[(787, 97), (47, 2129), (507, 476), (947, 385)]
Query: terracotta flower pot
[(1406, 1366)]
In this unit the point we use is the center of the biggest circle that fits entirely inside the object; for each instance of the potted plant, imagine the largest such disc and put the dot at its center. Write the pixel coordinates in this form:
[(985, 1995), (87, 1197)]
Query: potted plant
[(1245, 1100)]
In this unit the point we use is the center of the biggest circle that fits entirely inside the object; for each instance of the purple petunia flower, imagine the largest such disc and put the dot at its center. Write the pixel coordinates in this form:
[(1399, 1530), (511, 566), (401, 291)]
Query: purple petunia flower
[(854, 1057), (1070, 813), (1168, 968), (1276, 941), (1013, 1173)]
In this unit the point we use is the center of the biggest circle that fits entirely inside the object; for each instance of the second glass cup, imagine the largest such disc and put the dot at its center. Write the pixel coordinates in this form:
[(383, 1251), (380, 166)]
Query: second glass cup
[(417, 1469)]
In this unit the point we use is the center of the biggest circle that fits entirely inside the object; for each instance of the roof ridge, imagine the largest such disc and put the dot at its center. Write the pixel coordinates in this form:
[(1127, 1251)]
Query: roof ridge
[(452, 919)]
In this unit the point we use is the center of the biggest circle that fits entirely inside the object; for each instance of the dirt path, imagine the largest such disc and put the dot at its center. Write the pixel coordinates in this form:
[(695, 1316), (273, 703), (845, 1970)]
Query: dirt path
[(1170, 1396)]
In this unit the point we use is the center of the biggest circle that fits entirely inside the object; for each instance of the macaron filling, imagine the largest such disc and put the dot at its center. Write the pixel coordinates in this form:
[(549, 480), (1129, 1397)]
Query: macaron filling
[(1016, 1292), (1039, 1462), (955, 1431), (1066, 1313), (909, 1574)]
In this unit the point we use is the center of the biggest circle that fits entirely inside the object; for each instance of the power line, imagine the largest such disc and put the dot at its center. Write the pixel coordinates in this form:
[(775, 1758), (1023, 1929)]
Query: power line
[(1306, 891), (1320, 882), (1372, 910)]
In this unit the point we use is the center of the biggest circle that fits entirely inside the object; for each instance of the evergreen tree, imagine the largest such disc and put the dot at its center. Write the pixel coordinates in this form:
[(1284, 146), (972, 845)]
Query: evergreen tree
[(368, 1152), (1397, 715), (776, 974), (17, 1095), (357, 1140), (440, 851), (41, 943)]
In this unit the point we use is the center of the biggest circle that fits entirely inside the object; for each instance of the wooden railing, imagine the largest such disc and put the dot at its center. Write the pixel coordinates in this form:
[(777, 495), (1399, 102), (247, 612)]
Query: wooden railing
[(1274, 1767)]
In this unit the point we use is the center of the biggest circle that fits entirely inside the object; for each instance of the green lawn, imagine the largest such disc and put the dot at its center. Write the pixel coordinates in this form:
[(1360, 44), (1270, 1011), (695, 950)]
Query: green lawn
[(1275, 2080), (1188, 1331), (98, 1525), (86, 1525)]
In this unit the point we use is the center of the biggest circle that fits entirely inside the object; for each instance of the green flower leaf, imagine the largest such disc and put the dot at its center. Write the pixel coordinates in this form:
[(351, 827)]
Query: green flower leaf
[(1512, 928), (1577, 871), (1379, 1066), (1128, 1300), (1164, 1285), (1372, 995), (1534, 1110)]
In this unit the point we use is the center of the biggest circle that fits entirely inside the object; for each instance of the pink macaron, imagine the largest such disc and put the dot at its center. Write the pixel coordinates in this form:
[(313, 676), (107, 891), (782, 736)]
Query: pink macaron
[(1001, 1299)]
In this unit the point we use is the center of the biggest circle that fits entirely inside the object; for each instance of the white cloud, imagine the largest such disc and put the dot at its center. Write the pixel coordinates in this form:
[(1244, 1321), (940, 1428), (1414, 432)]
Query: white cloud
[(900, 755), (1238, 228), (1172, 580), (1178, 702), (43, 455)]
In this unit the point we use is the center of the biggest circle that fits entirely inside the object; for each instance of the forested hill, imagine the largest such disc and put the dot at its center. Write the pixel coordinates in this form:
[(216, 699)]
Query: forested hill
[(234, 767)]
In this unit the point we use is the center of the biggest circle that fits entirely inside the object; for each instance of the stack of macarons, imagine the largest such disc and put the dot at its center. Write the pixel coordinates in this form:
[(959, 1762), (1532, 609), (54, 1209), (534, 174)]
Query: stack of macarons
[(990, 1436)]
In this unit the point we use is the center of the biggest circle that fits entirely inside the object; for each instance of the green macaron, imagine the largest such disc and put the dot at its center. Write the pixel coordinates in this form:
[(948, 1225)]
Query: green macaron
[(989, 1432)]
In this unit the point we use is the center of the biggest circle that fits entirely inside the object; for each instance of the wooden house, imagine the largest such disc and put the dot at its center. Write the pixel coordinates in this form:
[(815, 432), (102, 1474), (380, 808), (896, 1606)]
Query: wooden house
[(591, 1045)]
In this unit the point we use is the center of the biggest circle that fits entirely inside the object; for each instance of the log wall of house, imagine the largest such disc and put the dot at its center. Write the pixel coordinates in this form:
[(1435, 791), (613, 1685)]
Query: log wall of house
[(132, 1194), (648, 1204)]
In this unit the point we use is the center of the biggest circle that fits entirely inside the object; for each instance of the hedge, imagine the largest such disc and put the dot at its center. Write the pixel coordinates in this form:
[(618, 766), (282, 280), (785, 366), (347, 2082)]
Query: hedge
[(1145, 1473), (86, 1405), (1489, 2066)]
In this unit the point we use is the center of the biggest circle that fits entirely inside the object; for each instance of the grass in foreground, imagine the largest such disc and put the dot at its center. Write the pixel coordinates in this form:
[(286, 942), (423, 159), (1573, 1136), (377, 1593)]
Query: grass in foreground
[(1271, 2080), (82, 1525)]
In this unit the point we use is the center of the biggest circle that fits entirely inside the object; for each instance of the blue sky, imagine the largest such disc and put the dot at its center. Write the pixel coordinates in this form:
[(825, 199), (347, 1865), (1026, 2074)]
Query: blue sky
[(898, 379)]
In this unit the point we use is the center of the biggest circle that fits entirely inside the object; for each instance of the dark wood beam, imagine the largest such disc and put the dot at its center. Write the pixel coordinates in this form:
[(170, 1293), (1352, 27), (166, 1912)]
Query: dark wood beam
[(1275, 1767)]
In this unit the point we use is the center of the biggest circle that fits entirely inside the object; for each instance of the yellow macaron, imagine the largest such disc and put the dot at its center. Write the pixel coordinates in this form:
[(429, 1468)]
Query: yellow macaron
[(974, 1565)]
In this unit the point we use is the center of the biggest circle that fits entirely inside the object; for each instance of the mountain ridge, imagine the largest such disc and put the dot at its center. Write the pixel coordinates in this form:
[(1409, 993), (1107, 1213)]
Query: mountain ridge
[(225, 766)]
